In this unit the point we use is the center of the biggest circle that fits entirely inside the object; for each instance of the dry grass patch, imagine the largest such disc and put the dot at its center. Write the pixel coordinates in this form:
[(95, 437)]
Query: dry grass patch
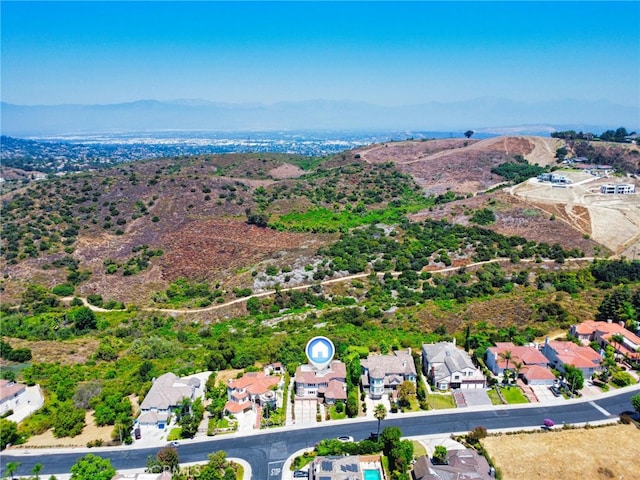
[(594, 453), (90, 432)]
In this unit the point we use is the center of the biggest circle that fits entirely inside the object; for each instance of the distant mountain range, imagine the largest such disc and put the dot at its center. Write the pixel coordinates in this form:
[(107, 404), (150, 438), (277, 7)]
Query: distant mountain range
[(486, 114)]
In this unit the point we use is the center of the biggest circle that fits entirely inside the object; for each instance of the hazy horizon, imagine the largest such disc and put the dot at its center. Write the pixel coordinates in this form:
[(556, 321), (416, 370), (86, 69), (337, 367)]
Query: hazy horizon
[(539, 62)]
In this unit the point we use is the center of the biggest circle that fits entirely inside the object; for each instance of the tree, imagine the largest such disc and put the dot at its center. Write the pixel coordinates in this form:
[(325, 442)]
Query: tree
[(506, 356), (352, 403), (406, 391), (11, 468), (469, 133), (617, 338), (8, 433), (389, 437), (440, 454), (635, 401), (517, 368), (83, 318), (380, 413), (37, 468), (574, 377), (168, 457), (92, 467)]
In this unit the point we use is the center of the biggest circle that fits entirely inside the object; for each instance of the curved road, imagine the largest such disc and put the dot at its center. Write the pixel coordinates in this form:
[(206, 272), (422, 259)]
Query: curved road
[(266, 451)]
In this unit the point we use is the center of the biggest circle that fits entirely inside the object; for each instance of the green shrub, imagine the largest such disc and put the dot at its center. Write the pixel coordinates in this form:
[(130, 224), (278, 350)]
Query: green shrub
[(63, 290)]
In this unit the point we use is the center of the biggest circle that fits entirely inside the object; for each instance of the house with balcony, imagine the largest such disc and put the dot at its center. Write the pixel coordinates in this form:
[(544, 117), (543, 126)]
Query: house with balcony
[(327, 385), (382, 374), (449, 367)]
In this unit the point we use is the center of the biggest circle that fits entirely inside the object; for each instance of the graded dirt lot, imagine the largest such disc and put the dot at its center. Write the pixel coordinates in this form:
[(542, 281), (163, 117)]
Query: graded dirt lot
[(611, 220), (610, 452)]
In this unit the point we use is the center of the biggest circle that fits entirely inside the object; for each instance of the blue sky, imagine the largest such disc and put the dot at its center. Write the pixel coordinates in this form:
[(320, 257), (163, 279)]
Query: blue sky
[(387, 53)]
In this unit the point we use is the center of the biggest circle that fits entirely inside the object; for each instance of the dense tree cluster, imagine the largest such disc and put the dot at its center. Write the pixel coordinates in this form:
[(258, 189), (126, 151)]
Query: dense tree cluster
[(518, 170)]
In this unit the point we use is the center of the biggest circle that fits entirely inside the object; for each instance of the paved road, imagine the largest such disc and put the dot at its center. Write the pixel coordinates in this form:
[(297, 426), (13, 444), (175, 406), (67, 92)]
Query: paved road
[(266, 451)]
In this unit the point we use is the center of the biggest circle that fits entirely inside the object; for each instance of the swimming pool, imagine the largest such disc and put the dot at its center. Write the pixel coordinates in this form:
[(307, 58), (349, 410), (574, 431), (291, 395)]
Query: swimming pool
[(372, 474)]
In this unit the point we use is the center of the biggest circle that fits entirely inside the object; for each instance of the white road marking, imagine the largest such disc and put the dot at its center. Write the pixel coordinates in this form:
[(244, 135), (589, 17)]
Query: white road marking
[(600, 409)]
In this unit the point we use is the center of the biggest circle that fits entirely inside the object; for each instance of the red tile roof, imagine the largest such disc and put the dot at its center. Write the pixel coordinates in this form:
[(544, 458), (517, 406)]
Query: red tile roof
[(535, 372), (571, 354), (525, 354)]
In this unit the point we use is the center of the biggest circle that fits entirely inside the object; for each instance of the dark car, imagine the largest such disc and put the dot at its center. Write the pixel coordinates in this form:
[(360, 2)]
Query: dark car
[(300, 474), (555, 390), (137, 433)]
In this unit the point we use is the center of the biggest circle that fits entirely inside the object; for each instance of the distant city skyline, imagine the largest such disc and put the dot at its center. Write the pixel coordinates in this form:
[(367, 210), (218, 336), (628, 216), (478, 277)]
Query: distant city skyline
[(386, 53)]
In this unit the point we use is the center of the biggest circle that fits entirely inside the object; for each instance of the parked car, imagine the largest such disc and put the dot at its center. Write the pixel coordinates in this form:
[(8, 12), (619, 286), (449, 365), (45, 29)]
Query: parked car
[(345, 438), (555, 390), (300, 474), (137, 433)]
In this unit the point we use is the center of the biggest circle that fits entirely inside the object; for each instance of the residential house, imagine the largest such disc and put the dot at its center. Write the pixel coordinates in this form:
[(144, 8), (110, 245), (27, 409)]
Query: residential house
[(527, 355), (11, 394), (618, 188), (605, 333), (464, 464), (537, 375), (327, 385), (166, 394), (253, 388), (384, 373), (560, 354), (336, 468), (446, 366)]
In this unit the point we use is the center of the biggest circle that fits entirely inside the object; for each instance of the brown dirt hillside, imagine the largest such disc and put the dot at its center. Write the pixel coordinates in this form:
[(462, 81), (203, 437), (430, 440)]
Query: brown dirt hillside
[(463, 166)]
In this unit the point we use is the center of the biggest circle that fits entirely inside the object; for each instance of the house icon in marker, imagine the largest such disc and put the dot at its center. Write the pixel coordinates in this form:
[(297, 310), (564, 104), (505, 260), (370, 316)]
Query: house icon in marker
[(320, 351)]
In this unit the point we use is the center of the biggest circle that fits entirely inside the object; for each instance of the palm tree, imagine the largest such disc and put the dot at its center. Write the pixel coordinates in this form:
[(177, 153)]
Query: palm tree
[(517, 367), (506, 356), (12, 467), (380, 413), (617, 338), (37, 468)]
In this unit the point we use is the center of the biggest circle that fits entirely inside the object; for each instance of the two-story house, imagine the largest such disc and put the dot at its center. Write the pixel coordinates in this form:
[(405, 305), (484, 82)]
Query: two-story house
[(327, 385), (381, 374), (164, 396), (448, 367), (251, 389)]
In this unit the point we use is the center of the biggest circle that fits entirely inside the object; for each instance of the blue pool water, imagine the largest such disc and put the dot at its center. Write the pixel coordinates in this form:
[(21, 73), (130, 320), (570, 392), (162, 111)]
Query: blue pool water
[(372, 475)]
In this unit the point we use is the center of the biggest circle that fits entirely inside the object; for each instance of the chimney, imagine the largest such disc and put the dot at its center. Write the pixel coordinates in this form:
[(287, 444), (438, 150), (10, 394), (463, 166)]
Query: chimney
[(621, 323), (609, 320)]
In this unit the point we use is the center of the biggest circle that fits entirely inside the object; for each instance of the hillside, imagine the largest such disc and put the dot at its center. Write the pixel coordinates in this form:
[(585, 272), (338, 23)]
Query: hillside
[(113, 277), (192, 212)]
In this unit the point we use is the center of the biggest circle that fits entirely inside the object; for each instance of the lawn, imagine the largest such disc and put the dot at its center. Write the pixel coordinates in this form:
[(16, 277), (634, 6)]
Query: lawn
[(418, 449), (510, 394), (437, 401)]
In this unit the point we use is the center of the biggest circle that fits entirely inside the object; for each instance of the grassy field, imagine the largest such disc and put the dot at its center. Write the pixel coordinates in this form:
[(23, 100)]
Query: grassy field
[(594, 453)]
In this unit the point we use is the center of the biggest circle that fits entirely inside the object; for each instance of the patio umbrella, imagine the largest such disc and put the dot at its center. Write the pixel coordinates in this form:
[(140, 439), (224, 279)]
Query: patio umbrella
[(548, 422)]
